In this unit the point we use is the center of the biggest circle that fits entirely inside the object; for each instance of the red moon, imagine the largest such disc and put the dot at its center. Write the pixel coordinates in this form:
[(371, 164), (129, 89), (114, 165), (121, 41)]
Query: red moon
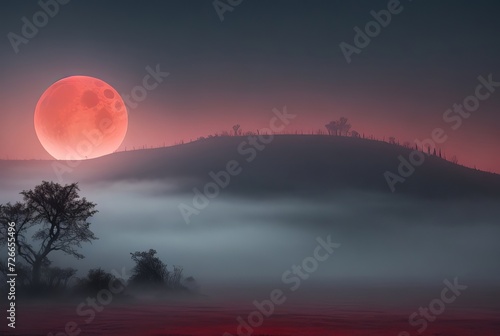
[(79, 118)]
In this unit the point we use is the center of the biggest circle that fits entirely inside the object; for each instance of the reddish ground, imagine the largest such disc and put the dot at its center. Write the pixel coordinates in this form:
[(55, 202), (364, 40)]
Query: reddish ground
[(162, 320)]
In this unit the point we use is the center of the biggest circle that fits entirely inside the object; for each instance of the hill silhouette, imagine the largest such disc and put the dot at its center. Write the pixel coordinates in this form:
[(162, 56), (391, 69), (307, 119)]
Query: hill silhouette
[(301, 165)]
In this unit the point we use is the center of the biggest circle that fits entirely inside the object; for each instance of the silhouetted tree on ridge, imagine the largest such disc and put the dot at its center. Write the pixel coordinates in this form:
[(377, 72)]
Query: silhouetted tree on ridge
[(236, 129), (338, 127), (344, 126), (332, 128)]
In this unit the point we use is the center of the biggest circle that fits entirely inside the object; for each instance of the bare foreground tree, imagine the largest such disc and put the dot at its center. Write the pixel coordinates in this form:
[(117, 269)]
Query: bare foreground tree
[(57, 216)]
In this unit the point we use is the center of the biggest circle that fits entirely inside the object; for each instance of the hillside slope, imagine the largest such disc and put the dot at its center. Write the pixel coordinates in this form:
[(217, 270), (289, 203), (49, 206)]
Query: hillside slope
[(305, 165)]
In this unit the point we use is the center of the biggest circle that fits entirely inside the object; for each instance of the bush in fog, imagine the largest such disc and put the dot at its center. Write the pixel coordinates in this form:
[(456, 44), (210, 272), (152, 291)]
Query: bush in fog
[(150, 271), (96, 280)]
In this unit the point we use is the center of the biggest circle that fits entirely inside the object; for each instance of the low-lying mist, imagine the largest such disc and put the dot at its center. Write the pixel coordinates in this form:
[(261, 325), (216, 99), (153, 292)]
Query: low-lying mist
[(240, 244)]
